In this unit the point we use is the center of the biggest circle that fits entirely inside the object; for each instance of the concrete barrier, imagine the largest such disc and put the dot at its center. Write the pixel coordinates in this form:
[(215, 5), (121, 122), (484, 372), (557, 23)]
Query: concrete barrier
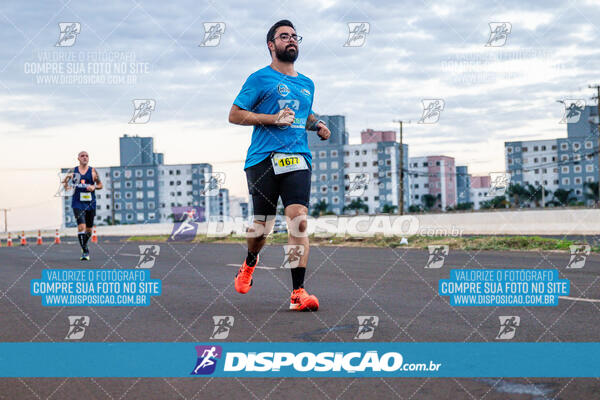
[(518, 222), (513, 222)]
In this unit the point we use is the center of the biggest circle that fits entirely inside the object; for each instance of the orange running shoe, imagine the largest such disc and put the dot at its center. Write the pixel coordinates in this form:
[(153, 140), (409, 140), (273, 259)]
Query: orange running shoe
[(243, 278), (302, 301)]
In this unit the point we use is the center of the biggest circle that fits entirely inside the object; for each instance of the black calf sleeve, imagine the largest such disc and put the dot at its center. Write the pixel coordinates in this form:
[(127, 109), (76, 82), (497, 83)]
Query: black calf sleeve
[(82, 241), (87, 237), (298, 277), (251, 259)]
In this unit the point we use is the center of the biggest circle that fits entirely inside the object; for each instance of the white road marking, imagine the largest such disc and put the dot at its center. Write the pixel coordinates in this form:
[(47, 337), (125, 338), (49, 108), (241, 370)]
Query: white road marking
[(258, 266), (229, 265), (579, 299)]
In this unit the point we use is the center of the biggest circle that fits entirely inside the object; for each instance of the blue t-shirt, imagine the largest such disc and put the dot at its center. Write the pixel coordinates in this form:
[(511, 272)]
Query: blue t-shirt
[(267, 92)]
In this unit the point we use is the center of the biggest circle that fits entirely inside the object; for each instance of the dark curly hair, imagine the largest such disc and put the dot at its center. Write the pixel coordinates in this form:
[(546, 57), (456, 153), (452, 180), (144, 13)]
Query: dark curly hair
[(283, 22)]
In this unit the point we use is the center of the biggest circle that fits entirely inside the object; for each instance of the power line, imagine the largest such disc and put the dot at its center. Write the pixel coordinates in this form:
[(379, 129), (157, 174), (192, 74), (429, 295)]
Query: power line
[(597, 97)]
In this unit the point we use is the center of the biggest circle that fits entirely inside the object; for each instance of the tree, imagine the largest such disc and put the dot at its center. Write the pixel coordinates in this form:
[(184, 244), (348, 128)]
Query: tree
[(356, 205), (389, 209), (429, 201), (414, 208), (590, 191), (537, 193), (464, 206), (517, 192), (562, 197), (500, 202), (496, 202), (485, 205), (319, 208)]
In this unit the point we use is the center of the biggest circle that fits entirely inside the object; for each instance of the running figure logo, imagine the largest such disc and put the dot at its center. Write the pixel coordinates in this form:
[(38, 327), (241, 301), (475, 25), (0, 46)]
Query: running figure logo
[(357, 35), (148, 254), (499, 182), (185, 229), (223, 324), (212, 34), (432, 109), (142, 109), (508, 327), (207, 359), (366, 326), (573, 110), (357, 184), (294, 105), (292, 255), (77, 325), (437, 255), (499, 32), (213, 184), (579, 253), (61, 191), (68, 33)]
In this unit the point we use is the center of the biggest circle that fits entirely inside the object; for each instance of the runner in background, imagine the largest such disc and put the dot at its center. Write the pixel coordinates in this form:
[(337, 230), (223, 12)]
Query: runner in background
[(85, 181)]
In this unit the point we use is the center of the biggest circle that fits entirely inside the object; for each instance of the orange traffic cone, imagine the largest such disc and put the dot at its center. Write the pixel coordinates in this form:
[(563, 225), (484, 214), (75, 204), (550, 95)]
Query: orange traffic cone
[(23, 239), (39, 238), (94, 236), (9, 241), (57, 238)]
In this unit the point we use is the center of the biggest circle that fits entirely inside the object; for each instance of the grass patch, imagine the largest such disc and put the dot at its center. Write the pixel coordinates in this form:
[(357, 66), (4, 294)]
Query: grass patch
[(523, 243)]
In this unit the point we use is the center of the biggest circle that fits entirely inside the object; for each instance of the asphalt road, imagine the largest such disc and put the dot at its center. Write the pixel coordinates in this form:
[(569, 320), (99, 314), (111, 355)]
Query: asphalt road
[(197, 284)]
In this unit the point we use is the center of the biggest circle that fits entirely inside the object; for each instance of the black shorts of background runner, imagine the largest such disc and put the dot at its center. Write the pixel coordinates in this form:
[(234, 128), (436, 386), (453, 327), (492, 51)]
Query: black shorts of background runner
[(84, 217), (265, 188)]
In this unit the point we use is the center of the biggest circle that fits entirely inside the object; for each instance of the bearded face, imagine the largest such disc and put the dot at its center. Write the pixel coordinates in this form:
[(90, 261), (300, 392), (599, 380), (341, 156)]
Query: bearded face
[(286, 51)]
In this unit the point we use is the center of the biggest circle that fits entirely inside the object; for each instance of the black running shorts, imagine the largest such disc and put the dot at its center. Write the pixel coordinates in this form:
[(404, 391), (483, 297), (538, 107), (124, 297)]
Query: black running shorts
[(85, 216), (265, 187)]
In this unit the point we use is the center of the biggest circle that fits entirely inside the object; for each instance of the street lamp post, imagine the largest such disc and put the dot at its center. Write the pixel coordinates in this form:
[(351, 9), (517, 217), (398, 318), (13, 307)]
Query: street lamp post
[(401, 186), (597, 97)]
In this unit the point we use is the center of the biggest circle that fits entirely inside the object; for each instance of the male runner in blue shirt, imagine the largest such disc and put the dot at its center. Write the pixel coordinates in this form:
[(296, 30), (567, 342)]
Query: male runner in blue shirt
[(277, 101)]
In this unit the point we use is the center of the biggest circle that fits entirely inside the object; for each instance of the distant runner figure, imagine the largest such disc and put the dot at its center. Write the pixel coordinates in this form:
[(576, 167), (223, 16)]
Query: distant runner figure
[(85, 180)]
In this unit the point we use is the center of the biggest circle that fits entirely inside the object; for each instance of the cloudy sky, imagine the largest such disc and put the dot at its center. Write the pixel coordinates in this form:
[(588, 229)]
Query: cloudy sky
[(412, 51)]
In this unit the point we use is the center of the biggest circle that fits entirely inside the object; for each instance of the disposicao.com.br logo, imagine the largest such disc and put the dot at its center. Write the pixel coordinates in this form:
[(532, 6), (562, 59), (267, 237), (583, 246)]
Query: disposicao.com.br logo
[(319, 363)]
